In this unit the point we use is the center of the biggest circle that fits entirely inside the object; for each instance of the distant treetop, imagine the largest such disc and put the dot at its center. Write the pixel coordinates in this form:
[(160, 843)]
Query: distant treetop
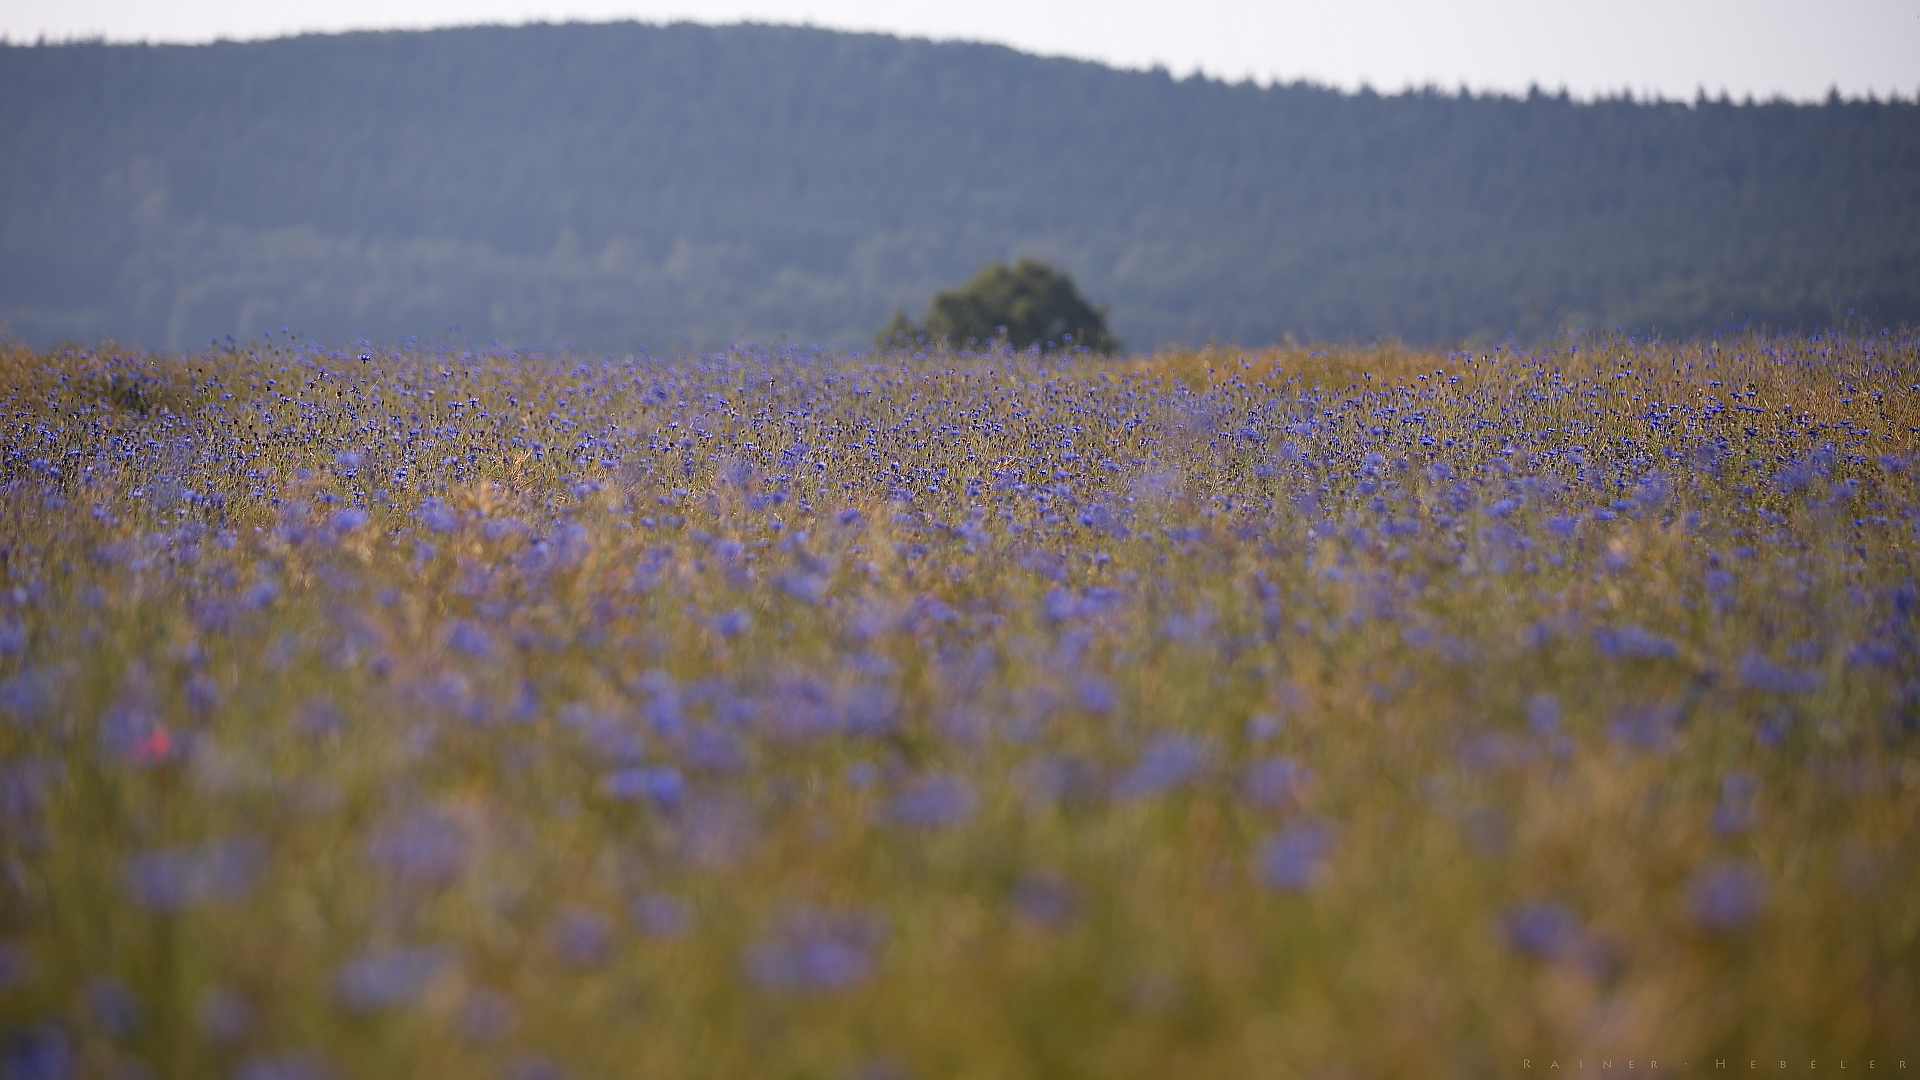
[(1025, 304)]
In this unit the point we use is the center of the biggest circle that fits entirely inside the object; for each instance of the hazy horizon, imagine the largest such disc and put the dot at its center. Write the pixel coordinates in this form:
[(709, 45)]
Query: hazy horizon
[(1768, 50)]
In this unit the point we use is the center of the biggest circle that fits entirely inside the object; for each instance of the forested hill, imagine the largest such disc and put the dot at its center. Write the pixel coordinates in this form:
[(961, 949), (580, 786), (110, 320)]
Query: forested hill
[(627, 185)]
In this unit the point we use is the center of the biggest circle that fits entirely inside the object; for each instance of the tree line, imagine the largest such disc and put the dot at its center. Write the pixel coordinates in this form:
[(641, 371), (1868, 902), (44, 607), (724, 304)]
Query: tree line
[(624, 186)]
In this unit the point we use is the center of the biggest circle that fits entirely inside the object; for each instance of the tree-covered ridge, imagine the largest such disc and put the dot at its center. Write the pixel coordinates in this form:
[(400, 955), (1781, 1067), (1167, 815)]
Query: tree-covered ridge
[(627, 184)]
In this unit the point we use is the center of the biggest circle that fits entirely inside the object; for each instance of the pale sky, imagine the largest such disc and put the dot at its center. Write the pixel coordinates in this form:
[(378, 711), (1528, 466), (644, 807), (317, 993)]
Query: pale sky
[(1667, 47)]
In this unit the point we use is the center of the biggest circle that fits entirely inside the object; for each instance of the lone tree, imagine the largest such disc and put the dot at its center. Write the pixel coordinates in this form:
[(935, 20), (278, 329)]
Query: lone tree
[(1027, 303)]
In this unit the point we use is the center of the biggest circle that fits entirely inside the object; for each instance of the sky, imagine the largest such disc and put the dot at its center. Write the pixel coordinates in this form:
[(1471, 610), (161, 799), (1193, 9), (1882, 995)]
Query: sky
[(1665, 48)]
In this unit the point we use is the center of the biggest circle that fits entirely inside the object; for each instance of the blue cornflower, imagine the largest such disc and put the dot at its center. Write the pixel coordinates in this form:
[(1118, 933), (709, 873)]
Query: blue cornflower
[(41, 1052), (1651, 493), (24, 790), (713, 750), (347, 521), (1295, 858), (660, 784), (869, 710), (658, 915), (438, 517), (1096, 695), (1543, 714), (497, 529), (1726, 895), (1648, 727), (132, 731), (1543, 931), (1630, 642), (175, 879), (113, 1006), (319, 717), (469, 638), (611, 739), (1047, 899), (1275, 783), (582, 938), (1795, 477), (27, 696), (737, 473), (1756, 672), (1168, 762), (425, 849), (811, 588), (815, 950), (932, 802), (388, 978), (202, 692), (861, 775)]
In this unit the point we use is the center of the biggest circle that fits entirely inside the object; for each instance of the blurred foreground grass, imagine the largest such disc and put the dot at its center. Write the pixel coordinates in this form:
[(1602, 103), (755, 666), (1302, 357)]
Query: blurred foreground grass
[(1312, 712)]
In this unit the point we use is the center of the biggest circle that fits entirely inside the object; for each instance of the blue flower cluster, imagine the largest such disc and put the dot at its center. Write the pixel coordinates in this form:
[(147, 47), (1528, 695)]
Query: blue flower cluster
[(500, 713)]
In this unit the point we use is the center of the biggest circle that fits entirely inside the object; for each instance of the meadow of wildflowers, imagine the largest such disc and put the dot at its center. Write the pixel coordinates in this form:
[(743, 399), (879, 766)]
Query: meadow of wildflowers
[(1321, 712)]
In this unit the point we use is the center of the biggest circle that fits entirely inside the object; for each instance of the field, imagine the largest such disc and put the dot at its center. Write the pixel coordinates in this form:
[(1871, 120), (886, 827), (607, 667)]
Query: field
[(415, 712)]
